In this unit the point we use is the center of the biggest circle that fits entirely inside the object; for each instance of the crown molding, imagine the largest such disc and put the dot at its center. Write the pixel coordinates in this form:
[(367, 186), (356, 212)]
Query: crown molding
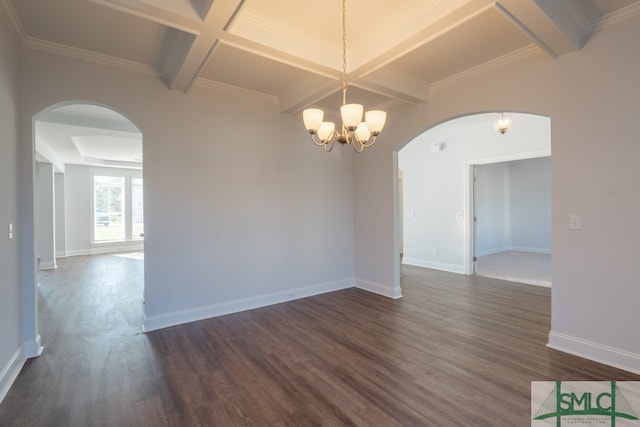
[(11, 17), (491, 65), (89, 56), (614, 18)]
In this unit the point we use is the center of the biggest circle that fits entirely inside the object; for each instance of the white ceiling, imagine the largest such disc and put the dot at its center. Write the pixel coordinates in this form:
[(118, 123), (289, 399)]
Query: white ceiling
[(290, 50)]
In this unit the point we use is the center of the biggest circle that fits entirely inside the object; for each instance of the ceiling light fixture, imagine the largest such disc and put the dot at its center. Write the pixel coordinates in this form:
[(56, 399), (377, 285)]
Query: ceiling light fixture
[(502, 124), (354, 131)]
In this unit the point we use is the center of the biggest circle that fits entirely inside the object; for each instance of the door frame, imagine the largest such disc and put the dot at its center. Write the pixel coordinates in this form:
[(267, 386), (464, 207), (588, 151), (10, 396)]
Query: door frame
[(469, 197)]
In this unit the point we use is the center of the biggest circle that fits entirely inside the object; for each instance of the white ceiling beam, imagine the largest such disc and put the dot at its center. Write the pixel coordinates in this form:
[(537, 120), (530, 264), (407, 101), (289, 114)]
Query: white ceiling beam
[(395, 85), (182, 16), (452, 20), (549, 24), (197, 53), (298, 98)]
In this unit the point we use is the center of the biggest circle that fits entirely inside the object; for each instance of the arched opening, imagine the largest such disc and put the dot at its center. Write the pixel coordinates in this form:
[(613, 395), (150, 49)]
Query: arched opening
[(88, 192), (435, 221)]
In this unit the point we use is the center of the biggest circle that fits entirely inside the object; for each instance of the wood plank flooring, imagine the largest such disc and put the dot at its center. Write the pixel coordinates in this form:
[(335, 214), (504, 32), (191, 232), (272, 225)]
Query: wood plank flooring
[(455, 351)]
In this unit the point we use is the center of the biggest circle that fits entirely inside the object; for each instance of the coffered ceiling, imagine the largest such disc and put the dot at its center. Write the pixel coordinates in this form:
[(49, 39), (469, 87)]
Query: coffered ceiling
[(290, 50)]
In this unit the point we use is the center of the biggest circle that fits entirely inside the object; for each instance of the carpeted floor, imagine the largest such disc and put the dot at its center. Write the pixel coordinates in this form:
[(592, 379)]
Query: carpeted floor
[(522, 267)]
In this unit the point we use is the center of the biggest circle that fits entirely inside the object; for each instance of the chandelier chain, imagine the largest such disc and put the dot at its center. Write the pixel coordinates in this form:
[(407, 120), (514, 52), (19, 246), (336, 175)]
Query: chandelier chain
[(344, 52)]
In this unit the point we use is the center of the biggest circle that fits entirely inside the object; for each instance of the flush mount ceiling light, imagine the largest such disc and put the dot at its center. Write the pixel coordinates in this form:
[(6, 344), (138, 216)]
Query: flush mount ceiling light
[(354, 131), (502, 124)]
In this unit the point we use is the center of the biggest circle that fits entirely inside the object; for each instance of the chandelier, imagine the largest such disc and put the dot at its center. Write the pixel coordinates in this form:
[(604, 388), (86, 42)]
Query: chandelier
[(360, 134), (502, 124)]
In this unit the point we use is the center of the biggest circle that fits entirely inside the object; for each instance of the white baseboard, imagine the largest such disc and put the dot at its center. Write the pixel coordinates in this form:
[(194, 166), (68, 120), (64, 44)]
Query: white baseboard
[(10, 372), (435, 265), (546, 251), (47, 265), (153, 323), (493, 251), (32, 348), (97, 250), (377, 288), (611, 356)]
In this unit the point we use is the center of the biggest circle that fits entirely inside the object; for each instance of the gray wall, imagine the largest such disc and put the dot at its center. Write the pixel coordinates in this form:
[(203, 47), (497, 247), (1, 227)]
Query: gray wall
[(493, 210), (237, 216), (530, 205), (225, 196), (591, 97), (513, 206), (11, 357)]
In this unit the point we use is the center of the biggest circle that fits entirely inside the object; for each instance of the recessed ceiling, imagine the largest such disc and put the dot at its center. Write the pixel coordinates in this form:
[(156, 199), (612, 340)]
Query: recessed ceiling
[(290, 50), (84, 134)]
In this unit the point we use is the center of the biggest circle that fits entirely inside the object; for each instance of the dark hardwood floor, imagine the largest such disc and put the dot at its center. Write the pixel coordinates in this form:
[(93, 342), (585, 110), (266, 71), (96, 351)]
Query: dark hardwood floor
[(455, 351)]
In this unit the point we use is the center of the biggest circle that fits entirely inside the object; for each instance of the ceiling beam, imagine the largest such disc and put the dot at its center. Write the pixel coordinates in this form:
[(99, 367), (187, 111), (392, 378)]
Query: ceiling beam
[(182, 16), (298, 98), (197, 53), (395, 85), (548, 23)]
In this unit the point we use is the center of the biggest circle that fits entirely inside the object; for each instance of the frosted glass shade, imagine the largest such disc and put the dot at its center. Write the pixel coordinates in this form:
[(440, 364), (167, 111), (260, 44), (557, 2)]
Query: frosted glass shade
[(375, 120), (325, 130), (312, 118), (351, 115), (362, 132)]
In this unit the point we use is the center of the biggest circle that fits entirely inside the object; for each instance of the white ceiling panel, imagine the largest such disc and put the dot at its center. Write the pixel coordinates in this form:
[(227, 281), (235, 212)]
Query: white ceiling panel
[(455, 51), (254, 72)]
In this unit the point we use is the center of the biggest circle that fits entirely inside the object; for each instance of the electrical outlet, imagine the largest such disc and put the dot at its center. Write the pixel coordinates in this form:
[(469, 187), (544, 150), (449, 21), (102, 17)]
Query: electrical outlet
[(435, 251)]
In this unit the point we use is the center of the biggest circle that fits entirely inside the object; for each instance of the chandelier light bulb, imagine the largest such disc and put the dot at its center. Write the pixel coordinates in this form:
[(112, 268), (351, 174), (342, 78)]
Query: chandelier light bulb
[(502, 124), (325, 130), (312, 118), (351, 115)]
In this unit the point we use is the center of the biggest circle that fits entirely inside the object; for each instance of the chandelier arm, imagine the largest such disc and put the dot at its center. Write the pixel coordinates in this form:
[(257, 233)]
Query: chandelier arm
[(323, 143), (369, 142), (316, 141), (330, 143), (358, 147)]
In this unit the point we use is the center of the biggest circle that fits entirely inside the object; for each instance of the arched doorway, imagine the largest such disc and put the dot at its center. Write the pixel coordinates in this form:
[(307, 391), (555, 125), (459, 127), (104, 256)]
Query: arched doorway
[(436, 220), (88, 192)]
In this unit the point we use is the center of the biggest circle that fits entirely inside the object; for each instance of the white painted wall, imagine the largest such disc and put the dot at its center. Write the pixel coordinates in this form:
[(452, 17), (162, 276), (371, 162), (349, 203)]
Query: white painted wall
[(591, 97), (434, 185), (46, 227), (513, 206), (11, 356), (241, 209), (79, 207), (530, 205), (492, 208), (61, 217)]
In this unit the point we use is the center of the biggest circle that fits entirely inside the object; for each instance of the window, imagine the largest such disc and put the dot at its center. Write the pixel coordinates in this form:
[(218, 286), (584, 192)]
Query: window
[(109, 212), (117, 209), (137, 212)]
